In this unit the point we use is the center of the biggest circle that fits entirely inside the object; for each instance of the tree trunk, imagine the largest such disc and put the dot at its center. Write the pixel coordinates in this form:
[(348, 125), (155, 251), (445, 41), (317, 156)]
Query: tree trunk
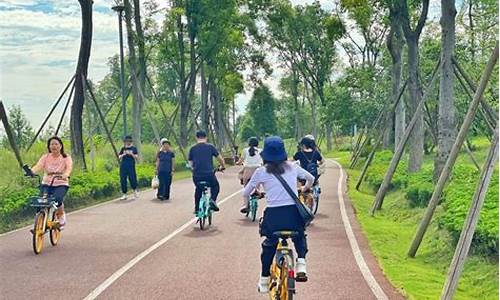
[(184, 99), (446, 118), (395, 45), (295, 95), (76, 126), (204, 99), (137, 103), (329, 135), (416, 142), (141, 46)]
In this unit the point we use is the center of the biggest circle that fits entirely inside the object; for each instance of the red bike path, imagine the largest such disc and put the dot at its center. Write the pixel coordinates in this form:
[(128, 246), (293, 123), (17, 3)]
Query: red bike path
[(147, 249)]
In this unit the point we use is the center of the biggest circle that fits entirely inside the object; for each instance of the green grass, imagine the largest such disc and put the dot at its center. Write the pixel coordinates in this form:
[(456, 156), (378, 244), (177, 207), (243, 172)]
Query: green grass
[(390, 233)]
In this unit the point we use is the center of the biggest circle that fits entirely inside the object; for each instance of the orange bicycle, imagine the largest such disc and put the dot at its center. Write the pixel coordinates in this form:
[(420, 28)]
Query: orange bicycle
[(282, 280), (45, 218)]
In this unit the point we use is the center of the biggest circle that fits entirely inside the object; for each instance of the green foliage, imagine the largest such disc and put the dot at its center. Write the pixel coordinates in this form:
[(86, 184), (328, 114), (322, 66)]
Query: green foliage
[(85, 188), (261, 117), (458, 195), (456, 199), (20, 127), (390, 233)]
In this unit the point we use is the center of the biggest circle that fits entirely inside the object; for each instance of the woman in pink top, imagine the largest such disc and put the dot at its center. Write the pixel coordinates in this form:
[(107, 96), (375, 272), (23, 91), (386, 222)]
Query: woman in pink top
[(55, 163)]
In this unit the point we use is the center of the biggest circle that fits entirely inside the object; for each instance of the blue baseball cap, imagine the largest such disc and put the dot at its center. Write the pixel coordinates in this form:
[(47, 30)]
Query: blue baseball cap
[(274, 149)]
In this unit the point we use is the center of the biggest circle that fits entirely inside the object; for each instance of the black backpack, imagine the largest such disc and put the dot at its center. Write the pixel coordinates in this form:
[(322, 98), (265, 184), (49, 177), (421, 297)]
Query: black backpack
[(311, 167)]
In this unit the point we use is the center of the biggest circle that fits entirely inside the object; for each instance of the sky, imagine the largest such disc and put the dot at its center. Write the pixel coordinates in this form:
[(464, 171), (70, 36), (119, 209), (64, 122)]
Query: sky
[(39, 43)]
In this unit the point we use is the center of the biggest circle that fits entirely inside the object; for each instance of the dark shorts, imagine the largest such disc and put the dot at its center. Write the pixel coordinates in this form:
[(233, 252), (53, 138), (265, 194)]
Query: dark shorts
[(58, 192)]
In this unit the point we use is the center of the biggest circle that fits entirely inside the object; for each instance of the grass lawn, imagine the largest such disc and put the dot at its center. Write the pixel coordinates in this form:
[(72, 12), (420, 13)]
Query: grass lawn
[(390, 233)]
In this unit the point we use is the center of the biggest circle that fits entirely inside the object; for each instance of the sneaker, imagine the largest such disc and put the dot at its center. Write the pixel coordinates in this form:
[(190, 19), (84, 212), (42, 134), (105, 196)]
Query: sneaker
[(214, 206), (263, 285), (301, 273), (123, 197), (62, 221), (244, 209), (136, 194)]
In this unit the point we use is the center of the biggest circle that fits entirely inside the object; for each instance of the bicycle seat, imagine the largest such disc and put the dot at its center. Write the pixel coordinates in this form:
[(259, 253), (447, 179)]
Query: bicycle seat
[(203, 185), (283, 234)]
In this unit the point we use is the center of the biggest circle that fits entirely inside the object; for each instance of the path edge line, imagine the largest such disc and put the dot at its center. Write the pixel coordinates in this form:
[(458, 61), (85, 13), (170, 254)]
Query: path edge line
[(377, 291)]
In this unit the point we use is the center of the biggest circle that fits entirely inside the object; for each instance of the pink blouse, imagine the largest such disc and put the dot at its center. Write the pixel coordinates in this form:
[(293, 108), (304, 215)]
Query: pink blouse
[(53, 166)]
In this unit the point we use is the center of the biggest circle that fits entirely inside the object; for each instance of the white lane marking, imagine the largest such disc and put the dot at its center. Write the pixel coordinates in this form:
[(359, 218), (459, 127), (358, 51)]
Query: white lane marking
[(360, 261), (106, 283)]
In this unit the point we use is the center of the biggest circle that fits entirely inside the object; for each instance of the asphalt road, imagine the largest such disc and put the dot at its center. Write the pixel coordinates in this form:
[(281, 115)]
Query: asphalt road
[(147, 249)]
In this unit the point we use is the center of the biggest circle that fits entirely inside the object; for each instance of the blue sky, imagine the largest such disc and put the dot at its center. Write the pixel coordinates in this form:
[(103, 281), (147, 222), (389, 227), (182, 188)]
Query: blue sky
[(39, 42)]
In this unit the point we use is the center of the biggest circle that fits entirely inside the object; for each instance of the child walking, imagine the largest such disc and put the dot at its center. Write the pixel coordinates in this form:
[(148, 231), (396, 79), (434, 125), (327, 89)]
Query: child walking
[(165, 169), (128, 156)]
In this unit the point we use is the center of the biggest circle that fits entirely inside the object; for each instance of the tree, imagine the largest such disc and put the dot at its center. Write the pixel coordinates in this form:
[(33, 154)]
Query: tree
[(76, 126), (261, 110), (137, 86), (412, 36), (446, 117), (304, 37), (20, 126)]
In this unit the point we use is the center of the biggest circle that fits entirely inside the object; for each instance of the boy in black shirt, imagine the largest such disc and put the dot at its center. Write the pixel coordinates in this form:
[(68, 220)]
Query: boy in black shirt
[(200, 160), (128, 155)]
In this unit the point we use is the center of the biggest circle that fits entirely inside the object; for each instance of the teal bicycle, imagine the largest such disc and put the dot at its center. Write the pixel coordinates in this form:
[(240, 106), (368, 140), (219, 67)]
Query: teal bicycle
[(204, 213), (253, 205)]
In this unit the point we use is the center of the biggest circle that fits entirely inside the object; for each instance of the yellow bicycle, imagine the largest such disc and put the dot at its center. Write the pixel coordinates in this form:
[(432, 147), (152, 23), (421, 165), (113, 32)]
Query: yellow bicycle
[(282, 279), (45, 219)]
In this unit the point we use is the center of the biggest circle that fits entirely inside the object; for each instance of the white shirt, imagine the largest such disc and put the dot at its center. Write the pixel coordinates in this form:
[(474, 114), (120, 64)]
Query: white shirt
[(276, 195), (252, 161)]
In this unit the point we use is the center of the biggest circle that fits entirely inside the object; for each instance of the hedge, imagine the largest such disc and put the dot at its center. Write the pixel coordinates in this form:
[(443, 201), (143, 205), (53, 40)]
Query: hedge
[(85, 189)]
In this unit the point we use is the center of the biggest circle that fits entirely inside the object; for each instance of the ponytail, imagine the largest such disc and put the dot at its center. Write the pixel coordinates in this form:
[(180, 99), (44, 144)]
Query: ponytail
[(252, 151)]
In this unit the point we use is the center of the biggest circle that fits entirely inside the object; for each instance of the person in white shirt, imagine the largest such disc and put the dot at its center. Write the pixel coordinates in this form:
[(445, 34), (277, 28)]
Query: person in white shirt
[(251, 160), (281, 212)]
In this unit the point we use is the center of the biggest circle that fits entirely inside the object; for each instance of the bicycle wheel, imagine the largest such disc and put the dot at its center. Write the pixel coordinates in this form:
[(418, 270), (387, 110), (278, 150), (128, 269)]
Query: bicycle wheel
[(274, 292), (55, 233), (254, 212), (38, 231), (316, 205), (209, 218), (283, 288)]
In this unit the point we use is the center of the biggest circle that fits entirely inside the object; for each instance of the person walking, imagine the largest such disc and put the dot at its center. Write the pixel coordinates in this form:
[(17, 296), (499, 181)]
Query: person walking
[(128, 155), (165, 167)]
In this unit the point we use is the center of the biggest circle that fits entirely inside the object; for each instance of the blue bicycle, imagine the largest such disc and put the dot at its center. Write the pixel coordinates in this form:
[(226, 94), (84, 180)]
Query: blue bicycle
[(316, 191), (253, 205), (204, 210), (204, 213)]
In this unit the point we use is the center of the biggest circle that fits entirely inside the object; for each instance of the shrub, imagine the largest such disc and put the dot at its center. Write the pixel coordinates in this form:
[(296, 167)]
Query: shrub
[(418, 195), (85, 188), (458, 196)]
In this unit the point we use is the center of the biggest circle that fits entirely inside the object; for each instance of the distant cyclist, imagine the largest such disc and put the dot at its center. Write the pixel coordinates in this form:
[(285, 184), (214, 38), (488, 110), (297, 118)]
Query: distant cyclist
[(251, 160), (309, 157), (55, 163), (200, 161), (281, 212)]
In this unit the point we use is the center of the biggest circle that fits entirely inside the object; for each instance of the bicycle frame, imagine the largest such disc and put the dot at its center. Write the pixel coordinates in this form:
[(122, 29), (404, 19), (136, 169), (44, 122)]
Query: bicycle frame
[(282, 284)]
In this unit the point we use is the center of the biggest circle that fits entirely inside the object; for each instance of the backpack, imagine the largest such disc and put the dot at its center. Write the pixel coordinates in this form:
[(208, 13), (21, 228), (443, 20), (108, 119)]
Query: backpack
[(311, 166)]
